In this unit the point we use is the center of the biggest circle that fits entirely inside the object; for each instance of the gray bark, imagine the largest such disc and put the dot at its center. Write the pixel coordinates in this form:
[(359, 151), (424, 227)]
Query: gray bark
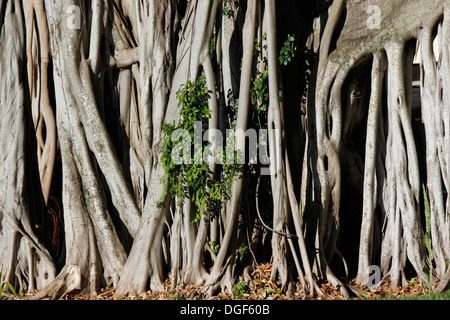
[(116, 232)]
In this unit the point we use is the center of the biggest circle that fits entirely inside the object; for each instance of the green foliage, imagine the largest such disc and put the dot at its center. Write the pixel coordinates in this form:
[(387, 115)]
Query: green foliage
[(214, 246), (241, 253), (267, 290), (227, 9), (260, 92), (260, 83), (192, 178), (175, 297), (239, 289), (4, 296), (212, 43), (287, 51), (427, 286)]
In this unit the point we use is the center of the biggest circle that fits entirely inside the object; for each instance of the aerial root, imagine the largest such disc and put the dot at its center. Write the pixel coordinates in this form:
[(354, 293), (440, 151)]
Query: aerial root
[(68, 281)]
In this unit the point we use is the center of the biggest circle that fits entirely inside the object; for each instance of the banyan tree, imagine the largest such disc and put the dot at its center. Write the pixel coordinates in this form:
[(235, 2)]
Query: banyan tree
[(333, 116)]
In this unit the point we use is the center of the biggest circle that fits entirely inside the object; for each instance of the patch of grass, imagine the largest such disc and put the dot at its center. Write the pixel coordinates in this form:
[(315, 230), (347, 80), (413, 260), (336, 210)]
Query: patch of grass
[(428, 296), (175, 297)]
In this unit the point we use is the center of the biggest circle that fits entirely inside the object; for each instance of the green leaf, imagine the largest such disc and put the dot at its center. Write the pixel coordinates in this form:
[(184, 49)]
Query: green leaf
[(175, 297), (11, 288)]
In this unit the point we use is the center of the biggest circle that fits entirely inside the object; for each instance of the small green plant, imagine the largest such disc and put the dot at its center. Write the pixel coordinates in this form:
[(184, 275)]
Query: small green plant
[(427, 286), (260, 84), (260, 92), (267, 290), (175, 297), (214, 246), (226, 11), (4, 295), (239, 289), (227, 8), (287, 52), (241, 253)]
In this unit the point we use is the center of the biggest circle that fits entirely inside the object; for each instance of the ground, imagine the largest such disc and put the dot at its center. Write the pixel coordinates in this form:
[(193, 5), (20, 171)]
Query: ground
[(263, 288)]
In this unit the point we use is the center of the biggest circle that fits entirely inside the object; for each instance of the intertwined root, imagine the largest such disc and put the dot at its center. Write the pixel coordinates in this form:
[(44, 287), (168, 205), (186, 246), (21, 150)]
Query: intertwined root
[(392, 182), (116, 234)]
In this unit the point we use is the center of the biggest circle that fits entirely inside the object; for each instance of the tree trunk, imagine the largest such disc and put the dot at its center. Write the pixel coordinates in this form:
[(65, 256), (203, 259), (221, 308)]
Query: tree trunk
[(98, 82)]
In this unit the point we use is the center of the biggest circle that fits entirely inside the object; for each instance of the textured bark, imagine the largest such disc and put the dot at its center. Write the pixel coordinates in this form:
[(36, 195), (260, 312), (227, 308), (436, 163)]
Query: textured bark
[(146, 251), (225, 256), (370, 187), (95, 81), (25, 262)]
